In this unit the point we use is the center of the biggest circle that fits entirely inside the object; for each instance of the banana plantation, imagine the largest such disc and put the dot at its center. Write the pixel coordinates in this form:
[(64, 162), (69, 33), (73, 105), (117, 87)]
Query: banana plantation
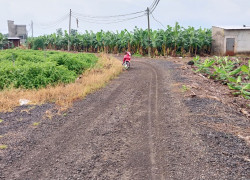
[(172, 41)]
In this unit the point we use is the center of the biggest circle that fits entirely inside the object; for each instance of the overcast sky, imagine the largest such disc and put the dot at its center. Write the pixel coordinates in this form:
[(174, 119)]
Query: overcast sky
[(198, 13)]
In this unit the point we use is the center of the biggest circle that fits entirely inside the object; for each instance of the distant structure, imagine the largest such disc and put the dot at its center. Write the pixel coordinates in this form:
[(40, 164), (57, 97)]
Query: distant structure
[(230, 41), (17, 33)]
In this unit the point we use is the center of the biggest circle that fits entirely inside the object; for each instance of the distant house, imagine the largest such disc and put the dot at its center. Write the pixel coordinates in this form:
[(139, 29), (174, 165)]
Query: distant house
[(17, 31), (230, 40), (14, 42)]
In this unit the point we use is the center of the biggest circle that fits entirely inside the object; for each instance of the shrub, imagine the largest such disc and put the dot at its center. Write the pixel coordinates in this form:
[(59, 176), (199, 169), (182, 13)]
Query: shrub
[(31, 69)]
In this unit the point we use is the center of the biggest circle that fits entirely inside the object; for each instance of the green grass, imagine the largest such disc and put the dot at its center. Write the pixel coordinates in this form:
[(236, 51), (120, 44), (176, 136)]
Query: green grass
[(31, 69), (185, 88), (137, 55), (36, 123), (2, 147)]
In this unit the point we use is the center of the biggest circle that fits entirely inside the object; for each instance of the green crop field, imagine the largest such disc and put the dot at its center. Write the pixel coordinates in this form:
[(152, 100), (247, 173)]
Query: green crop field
[(232, 73), (173, 41), (30, 69)]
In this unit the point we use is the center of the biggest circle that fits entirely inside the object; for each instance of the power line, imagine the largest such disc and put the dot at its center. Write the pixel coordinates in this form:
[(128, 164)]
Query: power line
[(105, 19), (157, 21), (155, 5), (113, 16), (107, 22), (101, 19), (61, 19), (52, 25)]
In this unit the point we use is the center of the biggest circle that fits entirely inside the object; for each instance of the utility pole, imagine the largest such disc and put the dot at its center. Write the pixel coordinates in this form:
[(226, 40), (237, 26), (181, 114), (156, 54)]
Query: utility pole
[(32, 28), (69, 29), (149, 47)]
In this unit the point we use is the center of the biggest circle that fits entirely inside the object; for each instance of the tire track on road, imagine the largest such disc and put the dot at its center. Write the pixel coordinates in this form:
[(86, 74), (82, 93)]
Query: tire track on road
[(153, 122)]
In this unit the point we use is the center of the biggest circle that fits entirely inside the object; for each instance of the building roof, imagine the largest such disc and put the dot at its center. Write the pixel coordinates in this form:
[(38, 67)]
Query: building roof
[(234, 27), (13, 38)]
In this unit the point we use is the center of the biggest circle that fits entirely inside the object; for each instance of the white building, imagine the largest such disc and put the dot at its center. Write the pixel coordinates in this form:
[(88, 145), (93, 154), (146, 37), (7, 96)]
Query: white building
[(230, 40)]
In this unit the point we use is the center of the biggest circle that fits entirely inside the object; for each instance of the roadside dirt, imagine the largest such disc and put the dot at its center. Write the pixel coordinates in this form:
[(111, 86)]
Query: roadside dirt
[(143, 125)]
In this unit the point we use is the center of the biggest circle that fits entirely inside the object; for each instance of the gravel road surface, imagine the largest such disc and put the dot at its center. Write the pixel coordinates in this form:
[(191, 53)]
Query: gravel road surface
[(141, 126)]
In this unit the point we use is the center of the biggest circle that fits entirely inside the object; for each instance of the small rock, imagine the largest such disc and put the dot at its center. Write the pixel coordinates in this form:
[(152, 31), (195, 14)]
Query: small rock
[(24, 101)]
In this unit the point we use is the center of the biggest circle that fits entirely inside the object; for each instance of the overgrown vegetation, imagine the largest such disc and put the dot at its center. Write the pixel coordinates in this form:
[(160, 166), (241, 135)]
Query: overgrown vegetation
[(31, 69), (172, 41), (234, 74), (92, 79), (3, 41)]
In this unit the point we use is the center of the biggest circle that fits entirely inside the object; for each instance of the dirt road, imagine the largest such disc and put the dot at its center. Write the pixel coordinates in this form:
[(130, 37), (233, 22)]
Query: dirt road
[(140, 126)]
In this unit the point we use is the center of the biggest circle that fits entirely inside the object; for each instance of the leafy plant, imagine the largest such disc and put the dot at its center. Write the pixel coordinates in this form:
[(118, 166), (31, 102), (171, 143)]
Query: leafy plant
[(246, 69), (228, 72), (3, 41), (205, 66), (185, 88), (172, 41), (243, 89), (32, 69)]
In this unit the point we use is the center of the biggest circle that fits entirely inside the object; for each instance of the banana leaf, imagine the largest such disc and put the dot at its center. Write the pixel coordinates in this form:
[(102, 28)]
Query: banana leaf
[(236, 71), (246, 87), (234, 87)]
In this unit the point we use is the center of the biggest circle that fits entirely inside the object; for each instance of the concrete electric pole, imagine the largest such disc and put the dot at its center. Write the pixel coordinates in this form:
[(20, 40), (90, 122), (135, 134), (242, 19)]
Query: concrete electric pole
[(69, 29), (149, 46), (32, 30)]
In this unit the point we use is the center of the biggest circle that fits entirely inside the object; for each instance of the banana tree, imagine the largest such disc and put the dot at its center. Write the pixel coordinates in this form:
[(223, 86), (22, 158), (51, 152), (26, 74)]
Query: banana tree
[(3, 41)]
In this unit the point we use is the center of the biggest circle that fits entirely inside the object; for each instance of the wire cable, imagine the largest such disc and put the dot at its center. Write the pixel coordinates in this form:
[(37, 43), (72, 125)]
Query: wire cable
[(55, 22), (105, 20), (110, 22), (153, 4), (158, 21), (113, 16), (52, 25), (156, 4)]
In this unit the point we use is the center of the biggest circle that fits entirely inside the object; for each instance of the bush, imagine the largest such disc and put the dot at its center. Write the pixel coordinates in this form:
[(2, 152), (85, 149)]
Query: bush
[(38, 43), (31, 69)]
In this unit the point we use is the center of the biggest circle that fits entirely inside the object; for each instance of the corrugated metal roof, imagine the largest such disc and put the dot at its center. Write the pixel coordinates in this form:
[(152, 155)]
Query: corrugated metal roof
[(13, 38), (234, 27)]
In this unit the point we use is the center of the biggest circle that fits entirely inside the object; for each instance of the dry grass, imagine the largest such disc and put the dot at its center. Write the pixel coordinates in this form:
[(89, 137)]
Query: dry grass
[(63, 95), (48, 115)]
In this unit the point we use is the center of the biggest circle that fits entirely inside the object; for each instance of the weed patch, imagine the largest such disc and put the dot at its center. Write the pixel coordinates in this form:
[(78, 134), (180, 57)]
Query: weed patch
[(30, 69), (185, 88), (2, 146), (36, 123), (64, 94)]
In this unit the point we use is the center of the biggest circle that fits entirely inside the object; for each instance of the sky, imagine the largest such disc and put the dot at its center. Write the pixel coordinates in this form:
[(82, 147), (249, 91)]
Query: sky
[(49, 15)]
